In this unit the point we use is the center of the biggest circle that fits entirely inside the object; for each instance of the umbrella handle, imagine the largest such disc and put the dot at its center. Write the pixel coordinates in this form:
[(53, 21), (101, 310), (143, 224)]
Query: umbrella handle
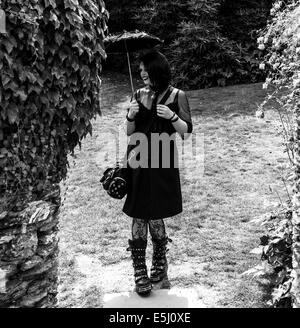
[(129, 67)]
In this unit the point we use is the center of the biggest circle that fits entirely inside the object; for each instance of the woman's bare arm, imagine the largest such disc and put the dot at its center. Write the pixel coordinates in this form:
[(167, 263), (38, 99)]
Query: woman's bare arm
[(130, 127), (183, 125), (130, 117)]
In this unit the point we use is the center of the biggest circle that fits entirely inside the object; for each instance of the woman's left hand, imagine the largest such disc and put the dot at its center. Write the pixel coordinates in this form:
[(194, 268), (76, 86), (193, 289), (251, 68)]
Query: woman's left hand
[(164, 112)]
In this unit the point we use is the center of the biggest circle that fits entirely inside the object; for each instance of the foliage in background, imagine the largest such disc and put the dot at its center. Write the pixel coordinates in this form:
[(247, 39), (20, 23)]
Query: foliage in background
[(50, 61), (240, 21), (200, 55), (162, 18), (208, 42), (121, 14)]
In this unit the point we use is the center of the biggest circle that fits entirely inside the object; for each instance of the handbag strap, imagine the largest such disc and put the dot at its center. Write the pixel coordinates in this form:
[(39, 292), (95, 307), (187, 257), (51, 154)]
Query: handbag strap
[(166, 96)]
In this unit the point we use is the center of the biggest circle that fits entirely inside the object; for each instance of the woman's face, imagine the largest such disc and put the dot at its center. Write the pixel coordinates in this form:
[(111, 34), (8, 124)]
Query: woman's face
[(144, 75)]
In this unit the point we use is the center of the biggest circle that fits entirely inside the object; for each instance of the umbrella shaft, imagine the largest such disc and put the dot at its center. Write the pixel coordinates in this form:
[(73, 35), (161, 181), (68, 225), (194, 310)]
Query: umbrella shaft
[(129, 67)]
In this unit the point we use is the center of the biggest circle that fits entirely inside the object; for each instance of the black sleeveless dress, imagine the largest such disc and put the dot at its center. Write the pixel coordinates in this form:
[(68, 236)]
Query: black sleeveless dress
[(155, 192)]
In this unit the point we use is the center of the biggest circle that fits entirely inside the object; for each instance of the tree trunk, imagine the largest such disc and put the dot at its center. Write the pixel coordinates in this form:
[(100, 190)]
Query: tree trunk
[(296, 215), (29, 254)]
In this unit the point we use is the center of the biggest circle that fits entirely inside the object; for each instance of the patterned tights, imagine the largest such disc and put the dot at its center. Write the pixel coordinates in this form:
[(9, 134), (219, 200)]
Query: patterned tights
[(140, 229)]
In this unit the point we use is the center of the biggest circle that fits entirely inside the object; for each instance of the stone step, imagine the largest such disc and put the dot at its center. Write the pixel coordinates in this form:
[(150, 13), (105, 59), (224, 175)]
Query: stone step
[(158, 298)]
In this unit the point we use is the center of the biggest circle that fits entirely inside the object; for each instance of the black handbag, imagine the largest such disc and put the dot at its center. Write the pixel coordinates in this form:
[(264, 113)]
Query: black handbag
[(115, 180)]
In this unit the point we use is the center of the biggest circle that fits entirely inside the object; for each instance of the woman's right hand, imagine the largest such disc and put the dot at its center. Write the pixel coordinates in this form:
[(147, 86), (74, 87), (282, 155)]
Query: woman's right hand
[(133, 109)]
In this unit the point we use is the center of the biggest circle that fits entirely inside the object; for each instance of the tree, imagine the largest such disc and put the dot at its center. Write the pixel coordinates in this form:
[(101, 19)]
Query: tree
[(50, 60)]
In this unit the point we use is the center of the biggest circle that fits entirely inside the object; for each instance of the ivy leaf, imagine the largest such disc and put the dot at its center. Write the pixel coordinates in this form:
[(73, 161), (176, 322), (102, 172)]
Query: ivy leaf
[(73, 4), (79, 46), (31, 77), (50, 3), (45, 100), (53, 18), (5, 79), (8, 45), (58, 38), (12, 86), (34, 88), (22, 95), (57, 72), (54, 95), (74, 19), (8, 59), (69, 103), (80, 129), (12, 113), (75, 63), (93, 8), (85, 72), (64, 53), (77, 19), (99, 49), (79, 35)]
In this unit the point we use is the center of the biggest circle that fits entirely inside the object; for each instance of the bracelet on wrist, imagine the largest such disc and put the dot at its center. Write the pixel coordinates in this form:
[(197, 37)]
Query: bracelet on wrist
[(176, 119), (129, 119), (172, 117)]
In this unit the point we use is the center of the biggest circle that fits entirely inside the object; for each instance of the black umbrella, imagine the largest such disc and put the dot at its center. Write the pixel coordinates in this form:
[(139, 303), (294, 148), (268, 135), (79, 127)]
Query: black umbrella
[(130, 42)]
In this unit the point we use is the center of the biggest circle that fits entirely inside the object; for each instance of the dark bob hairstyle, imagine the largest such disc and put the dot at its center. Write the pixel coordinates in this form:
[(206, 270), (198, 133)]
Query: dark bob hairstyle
[(158, 68)]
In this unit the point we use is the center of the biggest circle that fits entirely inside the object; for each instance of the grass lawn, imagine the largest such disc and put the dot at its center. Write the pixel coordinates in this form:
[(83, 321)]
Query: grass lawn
[(212, 238)]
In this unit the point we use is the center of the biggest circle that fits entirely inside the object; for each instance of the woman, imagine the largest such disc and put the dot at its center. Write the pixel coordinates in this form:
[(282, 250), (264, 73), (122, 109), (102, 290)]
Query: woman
[(155, 192)]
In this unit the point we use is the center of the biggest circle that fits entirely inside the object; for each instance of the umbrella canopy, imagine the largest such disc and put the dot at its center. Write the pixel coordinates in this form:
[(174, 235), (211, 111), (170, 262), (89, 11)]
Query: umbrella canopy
[(126, 42), (130, 42)]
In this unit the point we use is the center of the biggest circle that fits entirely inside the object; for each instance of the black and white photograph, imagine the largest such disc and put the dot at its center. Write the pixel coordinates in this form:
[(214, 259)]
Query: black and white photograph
[(149, 156)]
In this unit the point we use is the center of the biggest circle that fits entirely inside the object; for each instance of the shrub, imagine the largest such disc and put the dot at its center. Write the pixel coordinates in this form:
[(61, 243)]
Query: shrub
[(280, 41)]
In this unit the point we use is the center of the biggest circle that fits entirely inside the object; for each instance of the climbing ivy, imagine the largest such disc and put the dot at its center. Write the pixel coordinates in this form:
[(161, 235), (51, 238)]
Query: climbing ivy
[(50, 62), (280, 43)]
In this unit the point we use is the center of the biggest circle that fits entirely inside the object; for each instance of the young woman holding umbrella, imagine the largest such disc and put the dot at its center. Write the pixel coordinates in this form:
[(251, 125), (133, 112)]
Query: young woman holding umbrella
[(155, 192)]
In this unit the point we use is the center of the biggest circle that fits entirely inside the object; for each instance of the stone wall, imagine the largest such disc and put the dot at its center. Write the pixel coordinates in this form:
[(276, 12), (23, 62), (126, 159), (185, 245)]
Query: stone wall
[(296, 262), (28, 254), (296, 212)]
